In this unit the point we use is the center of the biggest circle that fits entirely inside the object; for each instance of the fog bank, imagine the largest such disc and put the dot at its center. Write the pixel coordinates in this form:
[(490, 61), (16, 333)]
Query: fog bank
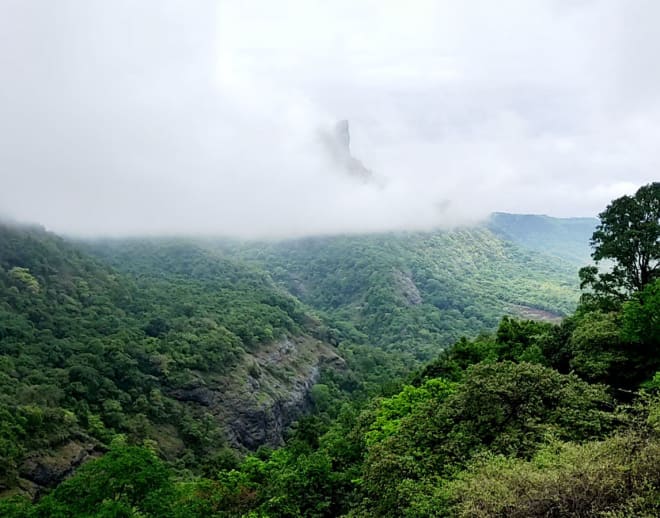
[(204, 117)]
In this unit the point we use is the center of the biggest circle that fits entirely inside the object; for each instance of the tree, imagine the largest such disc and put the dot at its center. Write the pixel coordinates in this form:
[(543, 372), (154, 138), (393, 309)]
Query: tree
[(628, 235), (615, 477), (506, 408), (126, 481), (641, 316)]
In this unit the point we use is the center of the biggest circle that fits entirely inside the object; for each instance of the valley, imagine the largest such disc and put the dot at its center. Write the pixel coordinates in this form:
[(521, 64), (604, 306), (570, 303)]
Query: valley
[(203, 346), (349, 375)]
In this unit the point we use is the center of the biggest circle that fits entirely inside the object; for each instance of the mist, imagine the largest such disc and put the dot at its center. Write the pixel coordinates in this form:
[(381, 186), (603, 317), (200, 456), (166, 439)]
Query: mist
[(203, 117)]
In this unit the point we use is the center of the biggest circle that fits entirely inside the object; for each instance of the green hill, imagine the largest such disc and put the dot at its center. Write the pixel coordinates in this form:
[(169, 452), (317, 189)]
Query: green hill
[(199, 347), (159, 352), (418, 292), (567, 238)]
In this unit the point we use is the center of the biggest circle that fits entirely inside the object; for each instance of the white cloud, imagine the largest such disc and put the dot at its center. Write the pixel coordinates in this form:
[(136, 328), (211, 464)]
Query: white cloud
[(173, 116)]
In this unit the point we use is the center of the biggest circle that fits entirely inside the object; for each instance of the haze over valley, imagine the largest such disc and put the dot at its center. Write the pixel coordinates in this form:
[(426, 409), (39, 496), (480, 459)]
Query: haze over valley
[(171, 118), (350, 259)]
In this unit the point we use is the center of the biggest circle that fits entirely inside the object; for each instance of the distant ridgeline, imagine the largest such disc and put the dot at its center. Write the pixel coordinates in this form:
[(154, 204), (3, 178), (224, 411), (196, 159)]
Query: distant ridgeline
[(202, 347), (567, 238), (419, 291)]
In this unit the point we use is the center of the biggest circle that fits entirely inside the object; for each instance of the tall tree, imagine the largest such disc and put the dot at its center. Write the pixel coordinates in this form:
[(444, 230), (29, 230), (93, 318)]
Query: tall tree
[(629, 236)]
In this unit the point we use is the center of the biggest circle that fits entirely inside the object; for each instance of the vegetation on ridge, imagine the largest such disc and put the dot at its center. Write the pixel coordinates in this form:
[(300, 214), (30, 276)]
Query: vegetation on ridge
[(86, 353), (417, 293), (534, 419)]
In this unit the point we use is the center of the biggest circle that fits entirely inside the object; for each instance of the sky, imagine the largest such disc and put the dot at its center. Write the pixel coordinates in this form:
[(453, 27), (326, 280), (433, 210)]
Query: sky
[(204, 117)]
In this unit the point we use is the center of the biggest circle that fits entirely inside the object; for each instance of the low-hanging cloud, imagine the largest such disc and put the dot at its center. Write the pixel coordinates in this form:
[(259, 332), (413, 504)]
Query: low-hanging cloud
[(172, 116)]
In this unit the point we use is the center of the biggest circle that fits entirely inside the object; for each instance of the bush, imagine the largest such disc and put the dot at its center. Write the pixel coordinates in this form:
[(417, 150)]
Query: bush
[(605, 478)]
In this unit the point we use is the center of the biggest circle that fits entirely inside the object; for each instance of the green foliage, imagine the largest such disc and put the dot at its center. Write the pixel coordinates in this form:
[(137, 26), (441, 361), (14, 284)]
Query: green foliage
[(23, 278), (652, 384), (616, 477), (567, 238), (607, 347), (392, 410), (605, 291), (641, 317), (504, 408), (600, 347), (510, 423), (515, 340), (89, 351), (415, 292), (629, 235), (596, 346), (126, 481)]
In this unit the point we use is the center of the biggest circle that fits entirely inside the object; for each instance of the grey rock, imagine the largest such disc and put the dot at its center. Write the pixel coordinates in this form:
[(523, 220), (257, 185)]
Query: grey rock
[(260, 400), (41, 470), (338, 146), (406, 288)]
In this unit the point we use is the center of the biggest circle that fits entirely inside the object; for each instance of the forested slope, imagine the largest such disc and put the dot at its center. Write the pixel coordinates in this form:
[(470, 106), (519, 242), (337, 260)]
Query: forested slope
[(192, 345), (418, 292), (534, 420), (159, 355), (567, 238), (87, 352)]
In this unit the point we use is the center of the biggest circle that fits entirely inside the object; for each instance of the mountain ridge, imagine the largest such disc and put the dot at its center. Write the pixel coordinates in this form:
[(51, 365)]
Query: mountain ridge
[(201, 345)]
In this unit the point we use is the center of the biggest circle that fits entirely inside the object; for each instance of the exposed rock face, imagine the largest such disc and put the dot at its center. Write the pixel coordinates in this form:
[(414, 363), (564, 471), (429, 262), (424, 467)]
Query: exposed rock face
[(256, 404), (530, 313), (47, 469), (406, 288), (264, 422), (268, 392), (343, 135), (338, 145)]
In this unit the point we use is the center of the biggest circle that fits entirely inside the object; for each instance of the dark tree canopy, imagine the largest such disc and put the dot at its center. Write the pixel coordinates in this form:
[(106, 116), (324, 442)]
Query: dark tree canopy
[(628, 235)]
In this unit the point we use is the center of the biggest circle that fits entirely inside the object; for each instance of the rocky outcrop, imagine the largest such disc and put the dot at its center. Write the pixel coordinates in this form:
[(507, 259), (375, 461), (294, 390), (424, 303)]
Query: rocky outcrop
[(406, 288), (266, 393), (338, 146), (45, 469)]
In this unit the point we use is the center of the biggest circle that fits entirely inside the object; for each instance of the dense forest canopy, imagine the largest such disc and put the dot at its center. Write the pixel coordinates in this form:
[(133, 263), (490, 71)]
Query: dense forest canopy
[(430, 396), (418, 292)]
